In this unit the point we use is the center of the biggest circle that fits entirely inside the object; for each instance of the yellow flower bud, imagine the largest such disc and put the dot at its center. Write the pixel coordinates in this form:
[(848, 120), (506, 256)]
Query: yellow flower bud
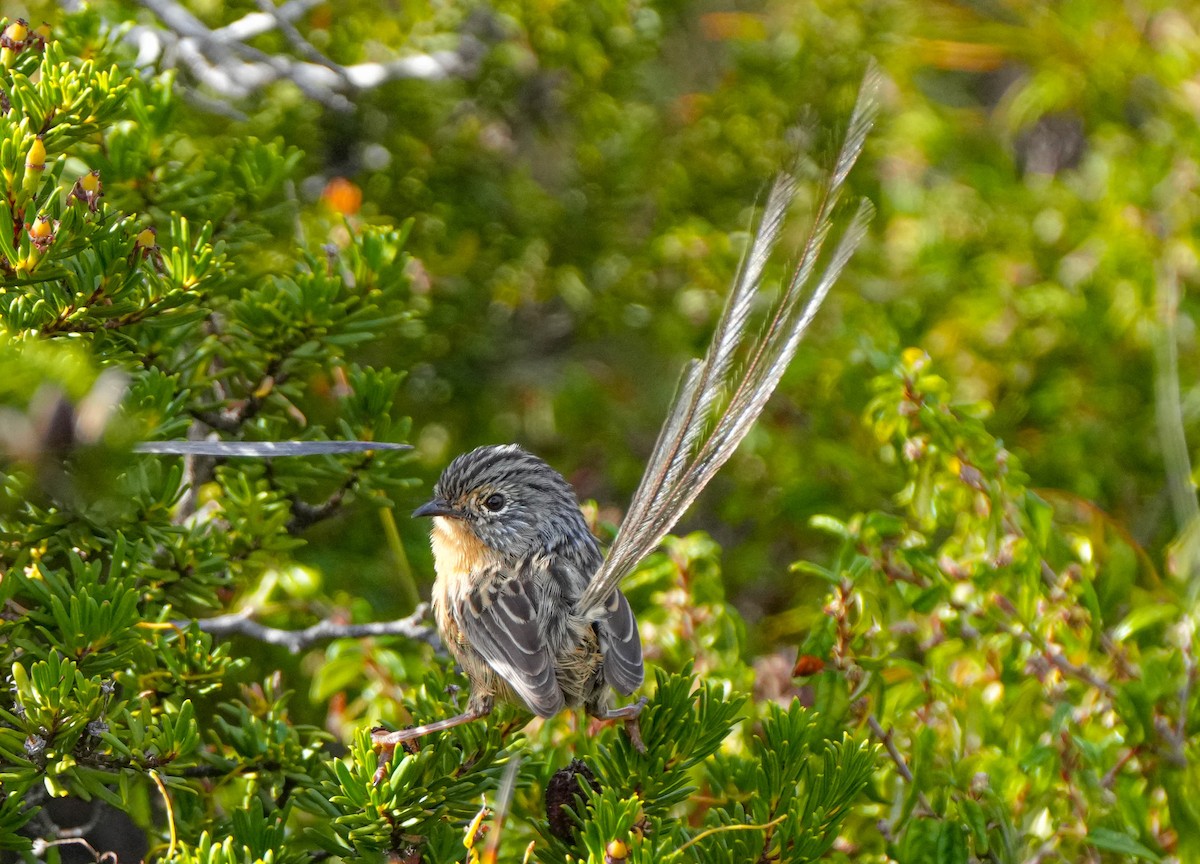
[(35, 159), (41, 228), (145, 247), (41, 235), (87, 190), (16, 33), (914, 358), (616, 852)]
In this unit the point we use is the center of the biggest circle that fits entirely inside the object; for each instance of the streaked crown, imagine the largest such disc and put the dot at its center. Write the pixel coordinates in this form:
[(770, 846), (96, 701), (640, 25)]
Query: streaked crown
[(512, 501)]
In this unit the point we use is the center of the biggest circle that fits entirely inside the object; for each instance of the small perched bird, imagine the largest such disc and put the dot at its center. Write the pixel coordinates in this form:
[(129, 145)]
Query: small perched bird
[(513, 556), (524, 599)]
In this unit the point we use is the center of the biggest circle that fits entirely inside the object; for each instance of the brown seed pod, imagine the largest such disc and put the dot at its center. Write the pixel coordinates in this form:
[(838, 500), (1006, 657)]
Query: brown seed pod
[(561, 792)]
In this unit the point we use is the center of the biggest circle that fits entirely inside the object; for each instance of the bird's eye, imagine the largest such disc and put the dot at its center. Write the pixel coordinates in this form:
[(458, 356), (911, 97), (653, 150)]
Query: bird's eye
[(494, 502)]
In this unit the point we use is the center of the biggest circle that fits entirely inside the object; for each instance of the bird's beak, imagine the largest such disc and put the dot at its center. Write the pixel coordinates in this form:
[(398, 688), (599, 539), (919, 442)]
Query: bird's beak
[(435, 507)]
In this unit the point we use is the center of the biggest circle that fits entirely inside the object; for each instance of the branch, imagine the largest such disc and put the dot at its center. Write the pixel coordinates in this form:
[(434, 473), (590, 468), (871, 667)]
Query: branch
[(266, 449), (1078, 671), (283, 23), (221, 60), (897, 757), (257, 23), (239, 623), (305, 514), (232, 418)]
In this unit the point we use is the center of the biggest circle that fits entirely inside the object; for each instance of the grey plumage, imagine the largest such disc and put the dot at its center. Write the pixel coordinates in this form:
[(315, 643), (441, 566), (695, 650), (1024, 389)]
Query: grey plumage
[(513, 554)]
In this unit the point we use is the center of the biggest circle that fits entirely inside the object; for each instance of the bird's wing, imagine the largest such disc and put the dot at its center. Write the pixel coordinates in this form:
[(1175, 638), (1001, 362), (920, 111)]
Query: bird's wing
[(621, 645), (499, 619), (721, 396)]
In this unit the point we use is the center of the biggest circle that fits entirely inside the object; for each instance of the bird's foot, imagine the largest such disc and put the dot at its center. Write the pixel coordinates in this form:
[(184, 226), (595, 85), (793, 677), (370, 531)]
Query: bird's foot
[(386, 742), (629, 714)]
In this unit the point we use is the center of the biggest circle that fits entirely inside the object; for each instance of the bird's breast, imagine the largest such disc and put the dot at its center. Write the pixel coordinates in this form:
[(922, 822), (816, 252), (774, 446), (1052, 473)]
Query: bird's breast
[(458, 560), (457, 552)]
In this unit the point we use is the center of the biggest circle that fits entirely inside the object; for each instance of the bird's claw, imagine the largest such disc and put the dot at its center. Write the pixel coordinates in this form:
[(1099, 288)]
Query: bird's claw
[(385, 742), (629, 715), (380, 741), (634, 731), (633, 728)]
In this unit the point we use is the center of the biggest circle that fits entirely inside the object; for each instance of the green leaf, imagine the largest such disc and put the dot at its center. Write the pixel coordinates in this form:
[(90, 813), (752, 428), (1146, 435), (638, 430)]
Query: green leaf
[(977, 823), (1114, 841), (1143, 617), (952, 844)]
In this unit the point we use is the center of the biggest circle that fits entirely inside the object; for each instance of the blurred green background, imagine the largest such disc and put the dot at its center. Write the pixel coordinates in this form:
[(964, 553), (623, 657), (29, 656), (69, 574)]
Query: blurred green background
[(583, 188)]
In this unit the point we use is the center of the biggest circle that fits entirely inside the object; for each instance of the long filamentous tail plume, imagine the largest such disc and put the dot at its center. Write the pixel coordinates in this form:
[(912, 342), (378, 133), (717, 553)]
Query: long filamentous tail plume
[(721, 396)]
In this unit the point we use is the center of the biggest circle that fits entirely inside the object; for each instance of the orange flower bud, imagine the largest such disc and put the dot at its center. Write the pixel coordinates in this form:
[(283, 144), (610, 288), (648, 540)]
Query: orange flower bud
[(808, 664), (41, 233), (41, 228), (343, 196)]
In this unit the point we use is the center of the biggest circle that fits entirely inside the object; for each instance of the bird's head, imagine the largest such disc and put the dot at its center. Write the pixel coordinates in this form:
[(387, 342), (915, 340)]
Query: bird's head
[(509, 499)]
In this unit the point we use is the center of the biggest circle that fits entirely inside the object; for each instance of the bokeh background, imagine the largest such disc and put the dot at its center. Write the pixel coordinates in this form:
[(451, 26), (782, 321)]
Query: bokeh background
[(582, 184)]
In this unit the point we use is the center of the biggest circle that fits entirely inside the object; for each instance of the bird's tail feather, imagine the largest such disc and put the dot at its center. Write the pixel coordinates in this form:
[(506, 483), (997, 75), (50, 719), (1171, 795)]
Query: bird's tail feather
[(721, 396)]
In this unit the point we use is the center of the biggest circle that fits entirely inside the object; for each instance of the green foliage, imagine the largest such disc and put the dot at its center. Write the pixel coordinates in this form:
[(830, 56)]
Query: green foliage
[(776, 795), (112, 333), (149, 291), (1047, 665), (426, 796), (994, 612), (793, 780)]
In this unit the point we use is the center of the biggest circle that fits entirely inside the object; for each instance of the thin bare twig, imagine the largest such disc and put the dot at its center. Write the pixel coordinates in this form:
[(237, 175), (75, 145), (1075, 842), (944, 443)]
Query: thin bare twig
[(41, 847), (1110, 776), (1053, 655), (890, 744), (239, 623), (302, 46), (897, 757), (305, 515), (256, 23), (221, 60)]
